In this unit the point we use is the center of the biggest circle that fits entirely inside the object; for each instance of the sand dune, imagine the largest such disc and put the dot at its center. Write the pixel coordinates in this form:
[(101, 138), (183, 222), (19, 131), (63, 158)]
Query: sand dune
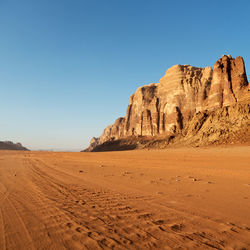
[(171, 199)]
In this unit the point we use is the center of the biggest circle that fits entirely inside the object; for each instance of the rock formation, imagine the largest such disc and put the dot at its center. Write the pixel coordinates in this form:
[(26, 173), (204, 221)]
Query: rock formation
[(8, 145), (167, 108), (229, 83)]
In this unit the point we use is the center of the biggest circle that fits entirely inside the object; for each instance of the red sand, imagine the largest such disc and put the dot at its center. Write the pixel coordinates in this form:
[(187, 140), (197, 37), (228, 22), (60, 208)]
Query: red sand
[(176, 198)]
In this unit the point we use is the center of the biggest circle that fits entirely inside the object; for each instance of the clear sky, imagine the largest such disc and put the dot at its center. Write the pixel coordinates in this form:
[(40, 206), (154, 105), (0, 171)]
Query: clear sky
[(68, 67)]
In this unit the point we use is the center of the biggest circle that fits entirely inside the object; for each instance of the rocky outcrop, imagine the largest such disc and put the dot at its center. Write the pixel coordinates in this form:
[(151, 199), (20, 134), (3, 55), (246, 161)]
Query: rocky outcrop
[(8, 145), (229, 124), (229, 84), (167, 108)]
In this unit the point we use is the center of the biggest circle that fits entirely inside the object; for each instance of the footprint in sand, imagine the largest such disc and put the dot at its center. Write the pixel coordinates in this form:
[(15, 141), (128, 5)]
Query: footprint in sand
[(69, 224), (154, 182), (177, 227), (144, 216), (78, 229), (159, 222), (159, 192), (127, 172)]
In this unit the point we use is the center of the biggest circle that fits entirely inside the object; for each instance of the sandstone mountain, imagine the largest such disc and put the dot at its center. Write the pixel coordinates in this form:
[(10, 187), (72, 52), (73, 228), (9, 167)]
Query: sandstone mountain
[(189, 105), (8, 145)]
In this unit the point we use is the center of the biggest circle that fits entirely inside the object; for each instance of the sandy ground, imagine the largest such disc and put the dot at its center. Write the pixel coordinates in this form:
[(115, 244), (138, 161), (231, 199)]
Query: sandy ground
[(171, 199)]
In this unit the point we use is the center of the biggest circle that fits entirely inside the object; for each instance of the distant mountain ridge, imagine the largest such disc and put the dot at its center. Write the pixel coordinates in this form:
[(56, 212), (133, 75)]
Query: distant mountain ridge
[(9, 145), (178, 109)]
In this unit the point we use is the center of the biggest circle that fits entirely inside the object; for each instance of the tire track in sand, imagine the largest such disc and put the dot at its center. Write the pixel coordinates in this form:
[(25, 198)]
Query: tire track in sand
[(107, 218), (2, 232), (13, 218)]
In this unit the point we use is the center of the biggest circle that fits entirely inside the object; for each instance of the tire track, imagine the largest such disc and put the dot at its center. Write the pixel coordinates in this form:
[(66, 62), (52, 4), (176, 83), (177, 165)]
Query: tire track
[(2, 232), (50, 209), (22, 223), (98, 221), (106, 212)]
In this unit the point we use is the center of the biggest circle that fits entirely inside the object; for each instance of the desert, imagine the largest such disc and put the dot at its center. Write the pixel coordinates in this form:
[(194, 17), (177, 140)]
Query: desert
[(179, 198), (124, 125)]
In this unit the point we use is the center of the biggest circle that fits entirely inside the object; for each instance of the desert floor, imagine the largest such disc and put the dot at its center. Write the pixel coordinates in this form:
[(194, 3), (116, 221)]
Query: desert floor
[(194, 198)]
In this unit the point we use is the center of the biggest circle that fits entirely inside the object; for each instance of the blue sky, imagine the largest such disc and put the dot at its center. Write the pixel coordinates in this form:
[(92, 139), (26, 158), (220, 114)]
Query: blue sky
[(67, 68)]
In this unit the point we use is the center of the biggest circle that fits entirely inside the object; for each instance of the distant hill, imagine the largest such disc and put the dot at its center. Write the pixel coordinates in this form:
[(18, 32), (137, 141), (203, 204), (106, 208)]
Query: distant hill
[(9, 145)]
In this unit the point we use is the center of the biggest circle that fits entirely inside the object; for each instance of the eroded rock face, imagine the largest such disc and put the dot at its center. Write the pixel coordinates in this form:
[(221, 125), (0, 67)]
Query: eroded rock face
[(142, 112), (167, 107), (229, 84), (183, 91)]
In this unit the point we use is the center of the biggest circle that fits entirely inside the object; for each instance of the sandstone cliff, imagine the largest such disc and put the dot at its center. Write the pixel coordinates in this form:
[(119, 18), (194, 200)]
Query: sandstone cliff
[(168, 108)]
